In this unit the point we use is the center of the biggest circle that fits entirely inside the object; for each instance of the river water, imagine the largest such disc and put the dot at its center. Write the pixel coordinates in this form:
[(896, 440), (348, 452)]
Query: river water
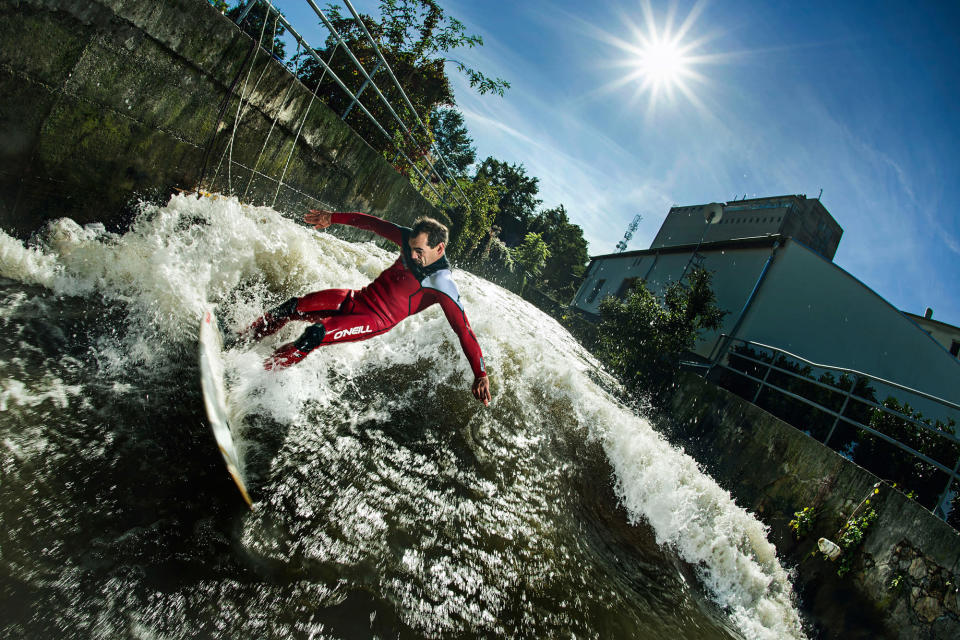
[(389, 503)]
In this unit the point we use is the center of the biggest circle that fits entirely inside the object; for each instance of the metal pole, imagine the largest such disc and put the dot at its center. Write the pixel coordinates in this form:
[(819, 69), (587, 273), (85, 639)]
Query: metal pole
[(746, 305), (246, 10), (656, 256), (706, 226), (765, 376), (365, 84), (946, 491), (396, 83), (846, 399)]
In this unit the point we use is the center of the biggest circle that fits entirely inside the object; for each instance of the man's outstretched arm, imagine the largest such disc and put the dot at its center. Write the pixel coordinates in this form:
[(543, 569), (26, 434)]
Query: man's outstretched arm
[(468, 342), (321, 219)]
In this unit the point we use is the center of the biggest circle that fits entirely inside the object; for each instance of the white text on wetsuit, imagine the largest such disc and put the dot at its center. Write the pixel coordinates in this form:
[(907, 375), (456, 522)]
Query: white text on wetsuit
[(351, 332)]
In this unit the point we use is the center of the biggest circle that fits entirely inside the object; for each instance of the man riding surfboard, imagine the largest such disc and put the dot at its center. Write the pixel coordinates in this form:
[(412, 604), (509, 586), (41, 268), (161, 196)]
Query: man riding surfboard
[(419, 278)]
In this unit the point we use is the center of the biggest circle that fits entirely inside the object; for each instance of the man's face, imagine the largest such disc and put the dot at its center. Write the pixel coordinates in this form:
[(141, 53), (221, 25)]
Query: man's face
[(423, 254)]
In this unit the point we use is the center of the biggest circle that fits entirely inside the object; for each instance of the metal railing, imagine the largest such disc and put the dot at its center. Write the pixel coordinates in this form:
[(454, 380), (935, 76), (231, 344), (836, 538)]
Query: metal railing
[(722, 361), (368, 82)]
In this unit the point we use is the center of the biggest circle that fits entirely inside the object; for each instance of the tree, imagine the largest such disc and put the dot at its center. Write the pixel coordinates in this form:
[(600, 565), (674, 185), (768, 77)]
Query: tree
[(452, 141), (412, 35), (532, 254), (568, 252), (907, 471), (642, 340), (471, 223), (518, 201), (268, 33)]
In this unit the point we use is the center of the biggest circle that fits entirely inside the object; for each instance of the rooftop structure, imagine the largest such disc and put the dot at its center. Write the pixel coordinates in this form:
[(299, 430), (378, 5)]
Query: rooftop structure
[(804, 219)]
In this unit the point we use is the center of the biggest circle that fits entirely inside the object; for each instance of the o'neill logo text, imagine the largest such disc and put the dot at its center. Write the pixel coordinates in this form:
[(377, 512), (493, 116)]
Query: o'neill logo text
[(351, 332)]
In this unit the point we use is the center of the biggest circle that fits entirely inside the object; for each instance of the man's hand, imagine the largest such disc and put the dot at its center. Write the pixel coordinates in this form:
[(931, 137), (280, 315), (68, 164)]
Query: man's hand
[(319, 218), (481, 390)]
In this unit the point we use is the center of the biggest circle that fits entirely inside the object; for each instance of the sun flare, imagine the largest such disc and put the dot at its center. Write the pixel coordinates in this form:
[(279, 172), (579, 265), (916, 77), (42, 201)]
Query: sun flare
[(659, 57), (662, 62)]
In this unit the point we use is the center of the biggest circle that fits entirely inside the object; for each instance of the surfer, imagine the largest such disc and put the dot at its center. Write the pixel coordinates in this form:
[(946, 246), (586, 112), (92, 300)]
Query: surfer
[(418, 279)]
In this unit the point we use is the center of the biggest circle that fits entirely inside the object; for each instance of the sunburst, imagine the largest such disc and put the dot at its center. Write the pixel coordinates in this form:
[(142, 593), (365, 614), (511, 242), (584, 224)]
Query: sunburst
[(660, 60)]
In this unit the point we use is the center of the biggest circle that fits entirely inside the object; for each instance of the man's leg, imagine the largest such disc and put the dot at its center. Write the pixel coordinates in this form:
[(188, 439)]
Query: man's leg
[(346, 327), (311, 308)]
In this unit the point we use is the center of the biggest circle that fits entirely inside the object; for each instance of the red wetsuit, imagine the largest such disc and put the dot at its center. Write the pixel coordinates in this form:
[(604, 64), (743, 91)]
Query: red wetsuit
[(400, 291)]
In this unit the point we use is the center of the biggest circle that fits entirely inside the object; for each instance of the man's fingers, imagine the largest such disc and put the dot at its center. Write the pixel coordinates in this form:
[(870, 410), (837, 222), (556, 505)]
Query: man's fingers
[(319, 218), (481, 390)]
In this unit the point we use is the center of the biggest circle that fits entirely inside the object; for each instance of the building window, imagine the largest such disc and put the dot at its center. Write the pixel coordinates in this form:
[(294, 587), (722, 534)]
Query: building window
[(596, 290), (625, 287), (955, 348)]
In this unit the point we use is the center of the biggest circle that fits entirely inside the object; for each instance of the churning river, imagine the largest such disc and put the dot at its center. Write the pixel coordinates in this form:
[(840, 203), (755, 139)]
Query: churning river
[(389, 502)]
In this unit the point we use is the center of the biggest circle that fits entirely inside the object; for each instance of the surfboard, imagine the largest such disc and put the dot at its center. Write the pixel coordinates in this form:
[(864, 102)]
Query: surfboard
[(215, 397)]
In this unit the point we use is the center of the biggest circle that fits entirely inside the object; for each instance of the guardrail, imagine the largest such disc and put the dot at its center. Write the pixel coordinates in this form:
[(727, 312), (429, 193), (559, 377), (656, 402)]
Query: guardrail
[(368, 82), (856, 378)]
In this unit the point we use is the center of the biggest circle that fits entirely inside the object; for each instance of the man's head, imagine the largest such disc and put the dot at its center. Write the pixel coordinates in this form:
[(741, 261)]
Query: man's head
[(428, 241)]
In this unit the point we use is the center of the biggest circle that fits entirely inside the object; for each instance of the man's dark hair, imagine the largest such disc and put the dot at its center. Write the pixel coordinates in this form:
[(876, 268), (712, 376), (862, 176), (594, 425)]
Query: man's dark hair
[(436, 231)]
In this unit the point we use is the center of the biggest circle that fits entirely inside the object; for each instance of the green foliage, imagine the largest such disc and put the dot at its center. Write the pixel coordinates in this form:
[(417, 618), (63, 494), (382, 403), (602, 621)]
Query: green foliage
[(907, 471), (269, 34), (851, 537), (497, 253), (642, 340), (411, 35), (471, 224), (802, 523), (518, 200), (220, 5), (421, 28), (815, 422), (564, 269), (453, 142), (532, 254), (918, 479)]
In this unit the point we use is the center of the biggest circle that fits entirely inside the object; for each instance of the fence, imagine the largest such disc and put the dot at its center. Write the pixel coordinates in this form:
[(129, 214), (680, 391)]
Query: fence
[(449, 187), (765, 366)]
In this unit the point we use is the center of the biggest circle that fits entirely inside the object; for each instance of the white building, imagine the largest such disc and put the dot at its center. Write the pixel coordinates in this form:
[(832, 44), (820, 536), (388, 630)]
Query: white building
[(772, 267)]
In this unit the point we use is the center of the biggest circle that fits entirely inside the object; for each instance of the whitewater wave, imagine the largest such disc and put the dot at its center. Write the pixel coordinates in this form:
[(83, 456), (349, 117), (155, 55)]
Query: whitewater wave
[(341, 485)]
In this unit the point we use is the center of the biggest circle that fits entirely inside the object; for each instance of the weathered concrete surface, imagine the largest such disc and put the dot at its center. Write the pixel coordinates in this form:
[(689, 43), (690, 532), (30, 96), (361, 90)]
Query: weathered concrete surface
[(102, 101), (905, 577)]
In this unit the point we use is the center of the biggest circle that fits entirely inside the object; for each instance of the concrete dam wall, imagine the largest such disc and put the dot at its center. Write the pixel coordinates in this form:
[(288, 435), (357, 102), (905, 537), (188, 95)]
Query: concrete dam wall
[(905, 577), (103, 101)]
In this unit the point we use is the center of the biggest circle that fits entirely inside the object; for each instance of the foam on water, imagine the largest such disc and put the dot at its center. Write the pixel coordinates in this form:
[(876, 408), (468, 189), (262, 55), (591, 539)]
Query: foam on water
[(178, 258)]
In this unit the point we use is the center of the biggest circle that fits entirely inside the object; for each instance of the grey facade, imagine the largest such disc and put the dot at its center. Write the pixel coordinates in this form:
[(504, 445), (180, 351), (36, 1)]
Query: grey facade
[(779, 291)]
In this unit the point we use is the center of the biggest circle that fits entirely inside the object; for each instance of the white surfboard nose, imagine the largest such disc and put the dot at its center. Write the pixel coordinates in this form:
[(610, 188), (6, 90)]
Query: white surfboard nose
[(215, 397)]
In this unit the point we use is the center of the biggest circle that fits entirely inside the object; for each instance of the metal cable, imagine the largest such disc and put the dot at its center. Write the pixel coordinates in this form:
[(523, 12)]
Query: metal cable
[(223, 108), (236, 121), (276, 118), (396, 83), (313, 94)]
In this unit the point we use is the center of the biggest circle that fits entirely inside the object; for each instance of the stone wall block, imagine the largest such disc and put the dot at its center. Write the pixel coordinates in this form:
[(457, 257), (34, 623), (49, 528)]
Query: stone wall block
[(127, 104)]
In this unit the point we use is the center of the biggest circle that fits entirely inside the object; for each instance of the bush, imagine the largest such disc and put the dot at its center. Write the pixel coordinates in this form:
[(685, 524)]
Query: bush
[(642, 340)]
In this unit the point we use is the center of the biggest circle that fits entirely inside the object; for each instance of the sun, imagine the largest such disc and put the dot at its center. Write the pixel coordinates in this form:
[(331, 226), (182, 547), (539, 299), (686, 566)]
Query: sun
[(659, 58), (663, 63)]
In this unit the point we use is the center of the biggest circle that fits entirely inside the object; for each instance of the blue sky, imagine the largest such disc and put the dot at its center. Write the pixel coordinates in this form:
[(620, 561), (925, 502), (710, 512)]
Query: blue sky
[(859, 99)]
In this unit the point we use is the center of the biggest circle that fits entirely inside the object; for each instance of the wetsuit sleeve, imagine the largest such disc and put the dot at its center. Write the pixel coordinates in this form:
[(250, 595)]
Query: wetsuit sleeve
[(457, 318), (364, 221)]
